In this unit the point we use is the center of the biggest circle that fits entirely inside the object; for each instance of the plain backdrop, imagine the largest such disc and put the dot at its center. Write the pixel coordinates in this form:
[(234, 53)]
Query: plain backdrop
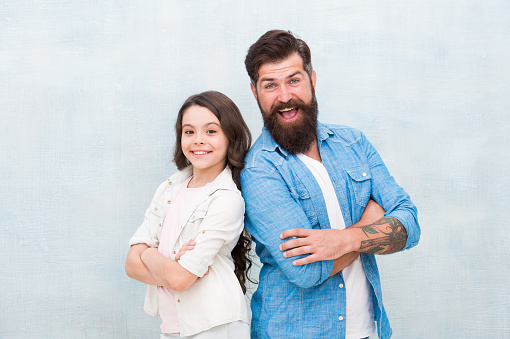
[(89, 92)]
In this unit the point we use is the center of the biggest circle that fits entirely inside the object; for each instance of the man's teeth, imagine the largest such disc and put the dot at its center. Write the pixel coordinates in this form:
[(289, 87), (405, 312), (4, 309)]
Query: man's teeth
[(287, 109)]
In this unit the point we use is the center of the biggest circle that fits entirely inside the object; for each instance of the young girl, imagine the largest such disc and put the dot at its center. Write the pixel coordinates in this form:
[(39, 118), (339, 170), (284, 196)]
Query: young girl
[(191, 244)]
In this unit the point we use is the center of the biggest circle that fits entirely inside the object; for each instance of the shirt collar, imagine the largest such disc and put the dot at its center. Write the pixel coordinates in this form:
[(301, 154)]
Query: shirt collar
[(268, 144), (222, 181)]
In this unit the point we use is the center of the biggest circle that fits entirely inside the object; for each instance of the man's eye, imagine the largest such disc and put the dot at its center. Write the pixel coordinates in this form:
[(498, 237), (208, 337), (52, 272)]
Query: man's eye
[(270, 86), (294, 81)]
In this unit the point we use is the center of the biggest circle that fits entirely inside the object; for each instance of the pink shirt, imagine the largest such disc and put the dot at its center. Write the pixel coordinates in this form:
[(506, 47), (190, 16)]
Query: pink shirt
[(184, 198)]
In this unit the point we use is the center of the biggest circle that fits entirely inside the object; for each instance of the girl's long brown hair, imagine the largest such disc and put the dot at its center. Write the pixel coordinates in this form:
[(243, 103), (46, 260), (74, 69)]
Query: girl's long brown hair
[(239, 141)]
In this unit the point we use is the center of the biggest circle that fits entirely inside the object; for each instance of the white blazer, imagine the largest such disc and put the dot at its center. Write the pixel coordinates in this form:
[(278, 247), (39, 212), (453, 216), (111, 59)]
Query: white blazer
[(215, 222)]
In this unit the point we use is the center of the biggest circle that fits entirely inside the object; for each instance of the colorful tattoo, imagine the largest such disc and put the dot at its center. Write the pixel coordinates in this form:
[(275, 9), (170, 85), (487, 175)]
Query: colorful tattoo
[(386, 236)]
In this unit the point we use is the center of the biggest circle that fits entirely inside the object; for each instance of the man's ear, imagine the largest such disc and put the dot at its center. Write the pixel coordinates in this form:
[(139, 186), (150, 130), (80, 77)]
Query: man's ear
[(253, 90), (314, 79)]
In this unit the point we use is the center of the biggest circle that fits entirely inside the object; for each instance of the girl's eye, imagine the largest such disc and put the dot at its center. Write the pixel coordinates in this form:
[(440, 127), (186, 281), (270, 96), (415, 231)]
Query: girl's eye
[(188, 132), (211, 131)]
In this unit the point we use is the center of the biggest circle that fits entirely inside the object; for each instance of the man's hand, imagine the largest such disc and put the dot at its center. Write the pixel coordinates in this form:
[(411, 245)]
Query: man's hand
[(320, 244), (330, 244)]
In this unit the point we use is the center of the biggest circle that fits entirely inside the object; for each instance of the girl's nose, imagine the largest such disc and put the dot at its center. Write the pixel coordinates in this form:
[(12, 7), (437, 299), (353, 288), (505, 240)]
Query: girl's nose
[(199, 139)]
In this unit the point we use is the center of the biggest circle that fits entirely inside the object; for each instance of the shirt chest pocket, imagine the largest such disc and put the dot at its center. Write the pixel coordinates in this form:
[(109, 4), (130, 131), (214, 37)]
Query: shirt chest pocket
[(302, 197), (361, 184), (192, 225)]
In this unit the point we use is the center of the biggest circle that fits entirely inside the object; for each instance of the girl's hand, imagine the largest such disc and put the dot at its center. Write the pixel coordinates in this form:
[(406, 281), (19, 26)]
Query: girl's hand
[(186, 247)]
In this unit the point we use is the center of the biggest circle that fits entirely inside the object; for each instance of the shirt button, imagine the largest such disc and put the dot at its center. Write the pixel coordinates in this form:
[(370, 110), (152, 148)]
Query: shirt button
[(169, 182), (203, 232), (168, 201), (178, 300), (341, 285), (364, 174), (340, 318), (174, 252)]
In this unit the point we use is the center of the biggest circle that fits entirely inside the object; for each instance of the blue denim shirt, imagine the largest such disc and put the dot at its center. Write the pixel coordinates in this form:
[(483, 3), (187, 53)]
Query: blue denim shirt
[(281, 193)]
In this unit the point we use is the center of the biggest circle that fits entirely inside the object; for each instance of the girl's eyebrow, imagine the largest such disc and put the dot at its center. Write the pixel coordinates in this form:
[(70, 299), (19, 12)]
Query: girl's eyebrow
[(206, 124), (212, 123)]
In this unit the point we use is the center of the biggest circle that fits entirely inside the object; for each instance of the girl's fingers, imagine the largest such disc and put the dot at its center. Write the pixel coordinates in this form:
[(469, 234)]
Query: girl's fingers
[(184, 249)]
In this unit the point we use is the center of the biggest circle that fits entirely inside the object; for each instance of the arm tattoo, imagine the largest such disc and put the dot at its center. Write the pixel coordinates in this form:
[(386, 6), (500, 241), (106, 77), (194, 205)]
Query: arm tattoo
[(386, 236)]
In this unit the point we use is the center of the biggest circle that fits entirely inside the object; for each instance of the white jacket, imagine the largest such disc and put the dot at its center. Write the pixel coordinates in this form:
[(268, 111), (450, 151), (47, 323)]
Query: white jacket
[(215, 222)]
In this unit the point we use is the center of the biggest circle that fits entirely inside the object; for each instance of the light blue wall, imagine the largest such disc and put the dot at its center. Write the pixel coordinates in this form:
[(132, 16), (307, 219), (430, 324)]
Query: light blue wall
[(89, 91)]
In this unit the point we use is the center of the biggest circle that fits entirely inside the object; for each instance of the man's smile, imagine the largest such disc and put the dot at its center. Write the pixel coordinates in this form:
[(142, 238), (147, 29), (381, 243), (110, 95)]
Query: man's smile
[(289, 114)]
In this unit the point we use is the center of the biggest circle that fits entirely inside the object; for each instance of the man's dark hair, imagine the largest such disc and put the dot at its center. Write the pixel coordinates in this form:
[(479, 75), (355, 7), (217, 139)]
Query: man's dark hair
[(274, 46)]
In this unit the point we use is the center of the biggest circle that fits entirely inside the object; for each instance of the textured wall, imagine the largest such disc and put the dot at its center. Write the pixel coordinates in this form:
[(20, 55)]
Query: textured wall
[(89, 91)]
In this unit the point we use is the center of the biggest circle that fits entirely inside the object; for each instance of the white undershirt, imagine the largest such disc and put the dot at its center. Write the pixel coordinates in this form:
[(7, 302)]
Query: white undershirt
[(360, 313)]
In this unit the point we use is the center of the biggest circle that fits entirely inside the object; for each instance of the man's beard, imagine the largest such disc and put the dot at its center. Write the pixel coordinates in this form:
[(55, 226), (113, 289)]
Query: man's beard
[(296, 136)]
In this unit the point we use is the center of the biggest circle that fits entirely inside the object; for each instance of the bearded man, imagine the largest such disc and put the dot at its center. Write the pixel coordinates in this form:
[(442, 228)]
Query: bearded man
[(320, 203)]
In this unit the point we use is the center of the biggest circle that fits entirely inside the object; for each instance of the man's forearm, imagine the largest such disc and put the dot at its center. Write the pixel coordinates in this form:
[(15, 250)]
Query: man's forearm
[(385, 236), (342, 262)]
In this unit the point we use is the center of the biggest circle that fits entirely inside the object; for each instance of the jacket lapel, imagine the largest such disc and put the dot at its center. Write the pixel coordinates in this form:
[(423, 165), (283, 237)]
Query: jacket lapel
[(222, 181)]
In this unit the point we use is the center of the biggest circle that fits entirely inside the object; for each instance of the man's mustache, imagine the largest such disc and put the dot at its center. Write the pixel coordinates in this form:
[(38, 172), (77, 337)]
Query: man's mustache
[(280, 106)]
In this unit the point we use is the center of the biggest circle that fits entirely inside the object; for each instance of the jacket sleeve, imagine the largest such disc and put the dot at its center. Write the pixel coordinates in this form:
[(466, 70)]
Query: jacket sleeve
[(147, 233), (387, 193), (270, 210), (219, 229)]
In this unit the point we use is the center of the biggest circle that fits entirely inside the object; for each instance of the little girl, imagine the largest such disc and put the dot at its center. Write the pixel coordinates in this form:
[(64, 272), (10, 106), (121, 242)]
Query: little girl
[(191, 248)]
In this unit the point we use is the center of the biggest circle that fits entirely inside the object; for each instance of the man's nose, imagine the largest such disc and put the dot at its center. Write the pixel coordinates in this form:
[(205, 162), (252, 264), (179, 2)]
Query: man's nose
[(284, 95)]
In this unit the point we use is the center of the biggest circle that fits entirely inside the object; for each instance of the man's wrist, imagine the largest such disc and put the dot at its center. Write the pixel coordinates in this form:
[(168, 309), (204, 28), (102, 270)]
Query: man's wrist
[(353, 236)]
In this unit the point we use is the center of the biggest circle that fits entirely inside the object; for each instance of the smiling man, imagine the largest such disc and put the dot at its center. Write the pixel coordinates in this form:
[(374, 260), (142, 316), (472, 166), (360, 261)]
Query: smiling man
[(313, 196)]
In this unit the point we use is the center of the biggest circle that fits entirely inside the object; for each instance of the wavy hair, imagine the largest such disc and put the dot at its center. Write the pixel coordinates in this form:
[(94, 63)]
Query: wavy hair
[(239, 141), (275, 46)]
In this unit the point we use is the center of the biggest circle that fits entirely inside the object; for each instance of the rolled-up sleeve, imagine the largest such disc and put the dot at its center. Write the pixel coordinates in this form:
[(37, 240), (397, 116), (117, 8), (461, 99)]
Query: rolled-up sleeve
[(270, 210), (221, 226), (146, 233), (387, 193)]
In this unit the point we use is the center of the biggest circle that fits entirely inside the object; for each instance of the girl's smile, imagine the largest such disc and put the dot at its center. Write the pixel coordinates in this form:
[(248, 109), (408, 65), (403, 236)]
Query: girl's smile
[(203, 143)]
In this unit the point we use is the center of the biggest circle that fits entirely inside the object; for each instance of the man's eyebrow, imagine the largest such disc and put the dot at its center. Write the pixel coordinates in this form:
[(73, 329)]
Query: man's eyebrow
[(266, 79), (294, 74), (287, 77)]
